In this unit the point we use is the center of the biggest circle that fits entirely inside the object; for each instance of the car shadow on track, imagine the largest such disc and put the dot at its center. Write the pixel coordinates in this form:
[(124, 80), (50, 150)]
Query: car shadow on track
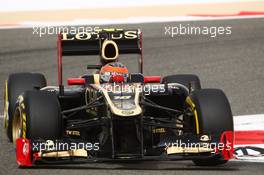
[(176, 165)]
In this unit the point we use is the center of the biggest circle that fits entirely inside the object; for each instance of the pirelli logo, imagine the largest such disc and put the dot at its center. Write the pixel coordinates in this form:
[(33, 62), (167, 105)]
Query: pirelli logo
[(133, 34)]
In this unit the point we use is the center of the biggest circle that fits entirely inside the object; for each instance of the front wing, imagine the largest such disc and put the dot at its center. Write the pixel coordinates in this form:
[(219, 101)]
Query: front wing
[(27, 155)]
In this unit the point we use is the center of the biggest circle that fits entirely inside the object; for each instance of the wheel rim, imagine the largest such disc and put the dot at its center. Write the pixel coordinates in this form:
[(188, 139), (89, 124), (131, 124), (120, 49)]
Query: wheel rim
[(17, 125)]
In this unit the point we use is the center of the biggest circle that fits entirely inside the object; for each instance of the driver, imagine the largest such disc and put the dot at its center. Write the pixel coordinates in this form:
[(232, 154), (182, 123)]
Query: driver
[(112, 69)]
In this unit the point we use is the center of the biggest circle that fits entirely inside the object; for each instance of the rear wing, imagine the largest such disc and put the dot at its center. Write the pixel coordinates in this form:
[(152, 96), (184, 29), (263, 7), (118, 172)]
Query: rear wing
[(90, 43)]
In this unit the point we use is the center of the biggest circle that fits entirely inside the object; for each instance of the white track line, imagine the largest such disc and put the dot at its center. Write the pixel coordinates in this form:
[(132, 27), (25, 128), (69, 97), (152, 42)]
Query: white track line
[(34, 5), (249, 159), (249, 122), (131, 20)]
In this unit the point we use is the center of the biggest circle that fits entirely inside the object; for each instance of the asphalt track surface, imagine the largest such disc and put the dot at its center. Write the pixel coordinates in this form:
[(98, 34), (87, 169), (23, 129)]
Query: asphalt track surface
[(234, 63)]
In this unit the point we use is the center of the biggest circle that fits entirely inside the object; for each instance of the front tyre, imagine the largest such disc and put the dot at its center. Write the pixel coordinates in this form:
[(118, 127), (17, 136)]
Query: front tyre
[(214, 116), (37, 116), (16, 84)]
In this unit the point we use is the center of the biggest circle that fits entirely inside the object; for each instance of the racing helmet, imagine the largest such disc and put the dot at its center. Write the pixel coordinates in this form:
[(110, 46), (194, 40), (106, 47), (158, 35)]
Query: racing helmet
[(114, 72)]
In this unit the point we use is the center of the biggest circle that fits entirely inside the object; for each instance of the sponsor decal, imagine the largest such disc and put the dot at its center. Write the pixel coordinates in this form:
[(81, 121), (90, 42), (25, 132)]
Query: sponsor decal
[(25, 148), (158, 130), (73, 133), (95, 35), (122, 97), (205, 138)]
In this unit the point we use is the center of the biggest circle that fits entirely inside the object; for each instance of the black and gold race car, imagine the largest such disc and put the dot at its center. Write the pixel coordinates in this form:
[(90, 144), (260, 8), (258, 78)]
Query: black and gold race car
[(114, 115)]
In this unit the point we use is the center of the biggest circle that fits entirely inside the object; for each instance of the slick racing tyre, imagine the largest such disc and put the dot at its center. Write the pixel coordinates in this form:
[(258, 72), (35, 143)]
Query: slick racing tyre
[(37, 116), (184, 79), (214, 117), (16, 84)]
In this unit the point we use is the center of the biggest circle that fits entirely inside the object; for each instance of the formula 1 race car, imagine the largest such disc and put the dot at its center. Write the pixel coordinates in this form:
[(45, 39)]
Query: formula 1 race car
[(114, 115)]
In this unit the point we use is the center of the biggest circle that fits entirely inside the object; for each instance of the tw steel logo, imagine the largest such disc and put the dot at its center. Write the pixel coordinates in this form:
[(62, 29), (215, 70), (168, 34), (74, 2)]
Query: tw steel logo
[(89, 35)]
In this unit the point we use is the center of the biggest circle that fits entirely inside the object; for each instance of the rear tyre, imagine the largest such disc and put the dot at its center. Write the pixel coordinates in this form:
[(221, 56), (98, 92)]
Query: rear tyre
[(184, 79), (16, 84), (214, 116), (37, 116)]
